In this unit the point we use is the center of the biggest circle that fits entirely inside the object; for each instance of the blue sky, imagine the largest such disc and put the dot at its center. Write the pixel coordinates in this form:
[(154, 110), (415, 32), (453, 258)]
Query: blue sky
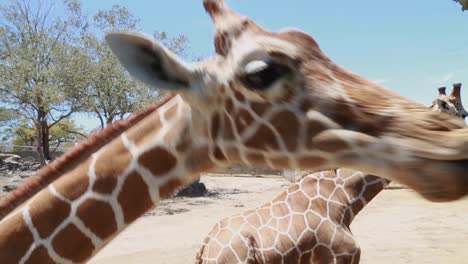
[(411, 47)]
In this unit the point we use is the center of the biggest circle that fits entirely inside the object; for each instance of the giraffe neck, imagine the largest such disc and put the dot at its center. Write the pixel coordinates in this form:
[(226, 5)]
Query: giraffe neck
[(76, 215)]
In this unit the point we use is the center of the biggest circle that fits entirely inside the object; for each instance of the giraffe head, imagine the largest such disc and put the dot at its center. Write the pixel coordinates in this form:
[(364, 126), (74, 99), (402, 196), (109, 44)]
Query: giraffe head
[(451, 104), (275, 99)]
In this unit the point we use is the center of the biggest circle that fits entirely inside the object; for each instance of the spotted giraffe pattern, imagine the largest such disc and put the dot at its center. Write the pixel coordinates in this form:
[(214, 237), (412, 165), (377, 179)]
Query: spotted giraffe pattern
[(288, 86), (78, 214), (308, 223)]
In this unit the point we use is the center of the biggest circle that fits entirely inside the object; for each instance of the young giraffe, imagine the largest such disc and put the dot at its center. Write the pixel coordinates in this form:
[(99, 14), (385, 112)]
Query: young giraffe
[(310, 221), (265, 99)]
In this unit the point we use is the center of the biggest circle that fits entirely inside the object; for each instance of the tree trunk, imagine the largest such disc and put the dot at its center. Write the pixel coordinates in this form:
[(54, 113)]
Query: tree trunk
[(45, 140), (42, 131)]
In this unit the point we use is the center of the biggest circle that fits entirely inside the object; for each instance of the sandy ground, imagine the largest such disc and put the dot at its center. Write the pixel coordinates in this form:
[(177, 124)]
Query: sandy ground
[(397, 227)]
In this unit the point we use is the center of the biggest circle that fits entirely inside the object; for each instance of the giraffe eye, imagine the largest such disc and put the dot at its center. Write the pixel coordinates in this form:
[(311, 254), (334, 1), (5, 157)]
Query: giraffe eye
[(260, 75)]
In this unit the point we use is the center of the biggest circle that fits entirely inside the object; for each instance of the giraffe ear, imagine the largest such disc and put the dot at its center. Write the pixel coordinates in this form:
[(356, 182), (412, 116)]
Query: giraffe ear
[(148, 61)]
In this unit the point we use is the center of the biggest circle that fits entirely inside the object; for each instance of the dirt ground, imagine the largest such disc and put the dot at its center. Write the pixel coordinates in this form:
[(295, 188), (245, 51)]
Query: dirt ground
[(397, 227)]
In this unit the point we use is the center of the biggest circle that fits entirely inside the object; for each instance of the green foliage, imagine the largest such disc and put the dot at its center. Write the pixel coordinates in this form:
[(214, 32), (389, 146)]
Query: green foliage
[(52, 67), (64, 134), (463, 3), (42, 70)]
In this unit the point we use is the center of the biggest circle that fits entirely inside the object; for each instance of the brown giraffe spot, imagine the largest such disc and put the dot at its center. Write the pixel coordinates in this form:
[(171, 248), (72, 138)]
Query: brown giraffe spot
[(158, 161), (309, 186), (307, 241), (134, 197), (141, 131), (325, 231), (271, 257), (256, 158), (236, 222), (319, 205), (109, 166), (311, 162), (171, 112), (313, 128), (167, 190), (293, 188), (239, 96), (287, 125), (313, 220), (74, 185), (298, 202), (218, 154), (305, 105), (326, 187), (16, 239), (305, 258), (229, 105), (259, 108), (268, 235), (225, 236), (372, 190), (222, 89), (48, 212), (71, 244), (343, 243), (279, 210), (322, 255), (198, 162), (215, 125), (292, 256), (264, 140), (243, 120), (40, 255), (328, 142), (357, 206), (98, 217), (280, 163)]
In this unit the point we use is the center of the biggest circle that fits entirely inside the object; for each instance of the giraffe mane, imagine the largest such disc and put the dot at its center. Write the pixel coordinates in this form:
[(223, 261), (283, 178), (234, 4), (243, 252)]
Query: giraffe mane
[(73, 157)]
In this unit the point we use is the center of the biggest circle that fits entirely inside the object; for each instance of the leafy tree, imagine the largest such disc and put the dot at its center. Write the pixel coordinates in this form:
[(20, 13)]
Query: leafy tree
[(64, 134), (113, 94), (463, 3), (42, 70)]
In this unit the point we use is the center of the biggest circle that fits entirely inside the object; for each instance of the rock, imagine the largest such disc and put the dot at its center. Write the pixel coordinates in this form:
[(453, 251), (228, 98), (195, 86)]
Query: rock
[(9, 157), (11, 163), (9, 188), (196, 189)]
